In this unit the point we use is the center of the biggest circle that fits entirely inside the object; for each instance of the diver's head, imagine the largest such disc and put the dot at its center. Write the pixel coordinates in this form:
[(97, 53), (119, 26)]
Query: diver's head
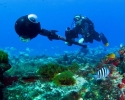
[(78, 19), (27, 27)]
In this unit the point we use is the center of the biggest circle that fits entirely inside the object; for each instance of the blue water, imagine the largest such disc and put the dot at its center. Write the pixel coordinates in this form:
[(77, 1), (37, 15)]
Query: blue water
[(108, 17)]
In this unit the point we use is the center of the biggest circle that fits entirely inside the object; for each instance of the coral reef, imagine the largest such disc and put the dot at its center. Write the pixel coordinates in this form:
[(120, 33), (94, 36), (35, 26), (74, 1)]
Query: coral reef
[(74, 67), (64, 78), (3, 57), (73, 95), (48, 71), (4, 66)]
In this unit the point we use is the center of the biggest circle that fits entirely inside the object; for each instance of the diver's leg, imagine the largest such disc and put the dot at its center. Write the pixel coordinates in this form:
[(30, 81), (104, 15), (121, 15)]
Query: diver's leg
[(100, 37), (104, 39), (96, 36)]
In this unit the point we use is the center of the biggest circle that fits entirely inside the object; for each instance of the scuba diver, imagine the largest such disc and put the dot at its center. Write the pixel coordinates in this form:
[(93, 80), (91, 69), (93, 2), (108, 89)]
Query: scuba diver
[(28, 27), (85, 27)]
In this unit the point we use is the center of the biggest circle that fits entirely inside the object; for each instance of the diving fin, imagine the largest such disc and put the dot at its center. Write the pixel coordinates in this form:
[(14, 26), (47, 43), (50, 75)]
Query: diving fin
[(104, 39)]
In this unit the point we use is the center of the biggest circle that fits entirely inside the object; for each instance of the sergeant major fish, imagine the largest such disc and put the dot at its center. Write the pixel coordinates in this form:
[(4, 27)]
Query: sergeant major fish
[(102, 73)]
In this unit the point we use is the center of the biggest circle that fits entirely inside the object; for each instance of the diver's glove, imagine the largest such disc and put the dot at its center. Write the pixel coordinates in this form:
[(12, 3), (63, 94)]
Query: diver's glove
[(52, 35), (104, 39), (81, 41)]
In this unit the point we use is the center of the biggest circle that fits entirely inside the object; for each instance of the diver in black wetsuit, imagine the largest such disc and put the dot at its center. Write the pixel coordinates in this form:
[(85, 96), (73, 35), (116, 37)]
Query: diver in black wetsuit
[(85, 27)]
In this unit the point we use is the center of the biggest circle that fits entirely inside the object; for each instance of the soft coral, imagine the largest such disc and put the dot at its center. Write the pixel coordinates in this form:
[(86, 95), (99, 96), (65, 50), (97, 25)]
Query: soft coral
[(9, 80)]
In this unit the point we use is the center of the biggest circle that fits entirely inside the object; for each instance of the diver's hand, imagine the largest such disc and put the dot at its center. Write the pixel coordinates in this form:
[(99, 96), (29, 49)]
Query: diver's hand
[(53, 35)]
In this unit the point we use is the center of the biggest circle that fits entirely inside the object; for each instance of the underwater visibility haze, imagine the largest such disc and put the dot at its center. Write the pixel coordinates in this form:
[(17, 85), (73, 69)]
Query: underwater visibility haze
[(51, 70)]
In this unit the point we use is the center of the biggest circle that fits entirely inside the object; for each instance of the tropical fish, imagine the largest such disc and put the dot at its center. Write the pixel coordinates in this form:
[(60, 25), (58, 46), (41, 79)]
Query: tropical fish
[(102, 73), (111, 56)]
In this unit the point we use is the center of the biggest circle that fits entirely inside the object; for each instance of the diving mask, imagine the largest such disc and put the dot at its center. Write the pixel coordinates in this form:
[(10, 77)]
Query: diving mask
[(78, 20)]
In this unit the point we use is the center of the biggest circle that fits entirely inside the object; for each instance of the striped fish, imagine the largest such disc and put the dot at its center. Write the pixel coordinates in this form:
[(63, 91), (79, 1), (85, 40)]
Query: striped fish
[(102, 73)]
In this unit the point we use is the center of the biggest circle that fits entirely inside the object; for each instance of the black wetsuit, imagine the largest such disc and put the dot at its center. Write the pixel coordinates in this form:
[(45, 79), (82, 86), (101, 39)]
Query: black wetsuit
[(86, 29)]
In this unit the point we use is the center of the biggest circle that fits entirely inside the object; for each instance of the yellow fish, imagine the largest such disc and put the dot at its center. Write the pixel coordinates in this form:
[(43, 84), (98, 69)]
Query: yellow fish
[(111, 56)]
